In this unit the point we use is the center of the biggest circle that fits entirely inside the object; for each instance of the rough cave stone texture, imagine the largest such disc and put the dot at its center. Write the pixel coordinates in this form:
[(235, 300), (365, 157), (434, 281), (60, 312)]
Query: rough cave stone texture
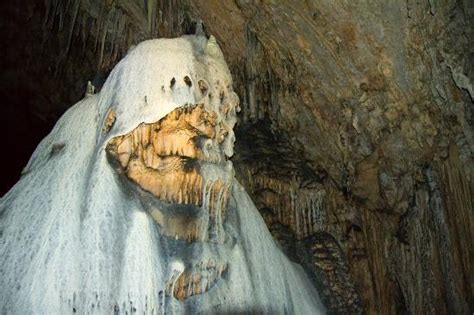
[(361, 123), (371, 104)]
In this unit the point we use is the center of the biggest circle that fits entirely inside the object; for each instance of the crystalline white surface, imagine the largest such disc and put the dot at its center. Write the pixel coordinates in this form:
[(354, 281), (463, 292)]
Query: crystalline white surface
[(72, 239)]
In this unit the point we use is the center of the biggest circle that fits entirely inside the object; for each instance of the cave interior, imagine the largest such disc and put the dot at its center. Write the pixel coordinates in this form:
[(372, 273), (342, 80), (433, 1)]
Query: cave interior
[(354, 140)]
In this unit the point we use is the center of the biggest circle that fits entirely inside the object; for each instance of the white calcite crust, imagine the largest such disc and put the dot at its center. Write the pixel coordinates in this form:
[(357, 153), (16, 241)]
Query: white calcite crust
[(72, 239)]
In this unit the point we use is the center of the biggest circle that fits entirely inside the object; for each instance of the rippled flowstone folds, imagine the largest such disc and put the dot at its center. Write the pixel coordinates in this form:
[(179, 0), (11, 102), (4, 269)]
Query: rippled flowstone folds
[(130, 203)]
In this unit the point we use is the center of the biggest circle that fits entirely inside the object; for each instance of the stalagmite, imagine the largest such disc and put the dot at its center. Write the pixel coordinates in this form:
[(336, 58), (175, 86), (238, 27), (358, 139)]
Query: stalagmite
[(130, 204)]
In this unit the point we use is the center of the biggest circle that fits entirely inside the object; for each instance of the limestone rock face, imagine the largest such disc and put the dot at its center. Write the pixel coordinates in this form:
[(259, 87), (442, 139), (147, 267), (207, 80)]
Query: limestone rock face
[(130, 204), (372, 106)]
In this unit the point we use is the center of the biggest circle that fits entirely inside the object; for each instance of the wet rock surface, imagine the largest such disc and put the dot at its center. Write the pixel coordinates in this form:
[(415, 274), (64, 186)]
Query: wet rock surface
[(355, 137)]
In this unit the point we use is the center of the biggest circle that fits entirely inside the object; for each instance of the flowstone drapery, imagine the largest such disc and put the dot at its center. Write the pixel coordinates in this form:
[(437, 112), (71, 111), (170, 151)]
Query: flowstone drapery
[(130, 203)]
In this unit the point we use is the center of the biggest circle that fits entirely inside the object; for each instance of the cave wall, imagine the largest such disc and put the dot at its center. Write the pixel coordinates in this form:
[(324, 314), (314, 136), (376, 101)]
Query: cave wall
[(366, 111), (354, 140)]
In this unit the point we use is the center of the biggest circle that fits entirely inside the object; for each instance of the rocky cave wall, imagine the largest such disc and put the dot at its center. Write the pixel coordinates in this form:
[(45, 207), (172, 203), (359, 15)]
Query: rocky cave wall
[(355, 137)]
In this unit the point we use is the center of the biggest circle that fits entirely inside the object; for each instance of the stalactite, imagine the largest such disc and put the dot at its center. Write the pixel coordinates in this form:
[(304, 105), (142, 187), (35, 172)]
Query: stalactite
[(303, 210), (51, 10), (77, 5), (47, 5), (109, 27), (115, 26), (458, 190), (84, 33), (61, 13), (151, 6), (103, 37), (249, 103)]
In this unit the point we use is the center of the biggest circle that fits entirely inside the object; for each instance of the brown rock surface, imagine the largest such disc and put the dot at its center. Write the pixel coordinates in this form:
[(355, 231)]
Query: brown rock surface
[(169, 160)]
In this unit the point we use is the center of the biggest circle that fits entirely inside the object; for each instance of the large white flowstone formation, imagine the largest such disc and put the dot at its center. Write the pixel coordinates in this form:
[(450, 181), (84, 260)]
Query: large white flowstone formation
[(77, 235)]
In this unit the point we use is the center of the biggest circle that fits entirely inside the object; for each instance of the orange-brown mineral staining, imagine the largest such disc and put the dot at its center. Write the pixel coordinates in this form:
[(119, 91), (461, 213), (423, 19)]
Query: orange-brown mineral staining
[(165, 159)]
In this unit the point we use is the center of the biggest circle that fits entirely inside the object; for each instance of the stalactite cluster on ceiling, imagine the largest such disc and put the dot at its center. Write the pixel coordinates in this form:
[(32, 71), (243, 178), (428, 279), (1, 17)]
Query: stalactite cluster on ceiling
[(110, 27)]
